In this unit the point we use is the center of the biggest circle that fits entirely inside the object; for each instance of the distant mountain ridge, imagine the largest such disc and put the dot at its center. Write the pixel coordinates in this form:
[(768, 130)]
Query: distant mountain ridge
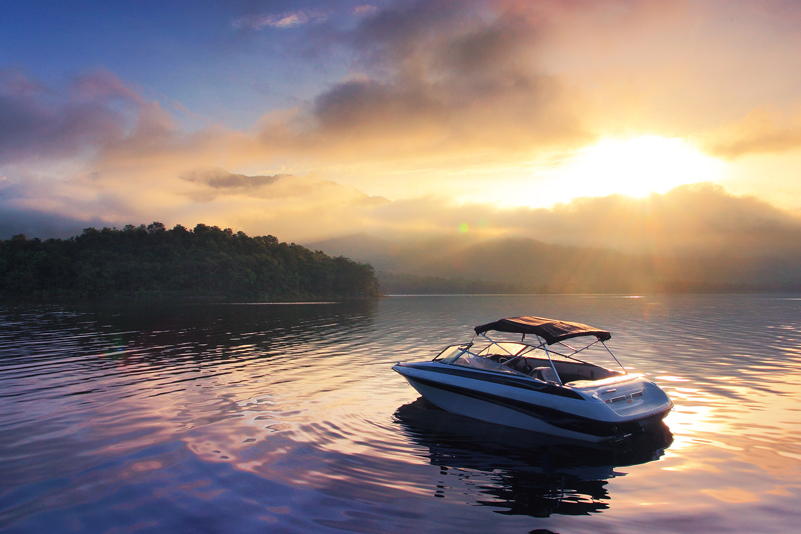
[(516, 264)]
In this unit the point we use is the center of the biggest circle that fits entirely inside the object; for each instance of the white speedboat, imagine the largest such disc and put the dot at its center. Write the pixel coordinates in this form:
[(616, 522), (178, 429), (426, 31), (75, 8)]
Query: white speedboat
[(543, 385)]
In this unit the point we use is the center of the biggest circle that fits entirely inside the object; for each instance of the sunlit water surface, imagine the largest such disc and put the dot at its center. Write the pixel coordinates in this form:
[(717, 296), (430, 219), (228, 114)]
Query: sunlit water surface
[(288, 418)]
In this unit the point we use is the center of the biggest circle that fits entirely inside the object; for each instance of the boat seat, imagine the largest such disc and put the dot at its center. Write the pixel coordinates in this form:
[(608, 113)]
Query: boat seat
[(522, 366), (545, 374)]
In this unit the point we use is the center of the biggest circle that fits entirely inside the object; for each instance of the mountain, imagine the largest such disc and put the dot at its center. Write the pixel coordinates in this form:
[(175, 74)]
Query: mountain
[(382, 254), (513, 264)]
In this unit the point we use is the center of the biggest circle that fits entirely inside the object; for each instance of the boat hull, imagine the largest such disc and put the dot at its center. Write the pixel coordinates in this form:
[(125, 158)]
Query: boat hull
[(526, 404)]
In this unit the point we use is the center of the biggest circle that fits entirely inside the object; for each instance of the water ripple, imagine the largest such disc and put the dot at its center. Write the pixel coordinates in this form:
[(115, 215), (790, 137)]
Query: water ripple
[(289, 418)]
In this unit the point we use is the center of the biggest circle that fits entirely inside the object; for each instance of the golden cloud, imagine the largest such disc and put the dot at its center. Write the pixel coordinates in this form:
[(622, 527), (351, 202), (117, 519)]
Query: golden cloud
[(761, 131)]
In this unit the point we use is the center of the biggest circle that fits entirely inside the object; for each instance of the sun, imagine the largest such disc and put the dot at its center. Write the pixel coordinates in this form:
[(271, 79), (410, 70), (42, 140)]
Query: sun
[(636, 167)]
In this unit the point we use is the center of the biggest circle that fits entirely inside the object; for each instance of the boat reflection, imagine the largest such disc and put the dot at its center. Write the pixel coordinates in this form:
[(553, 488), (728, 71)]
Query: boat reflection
[(520, 472)]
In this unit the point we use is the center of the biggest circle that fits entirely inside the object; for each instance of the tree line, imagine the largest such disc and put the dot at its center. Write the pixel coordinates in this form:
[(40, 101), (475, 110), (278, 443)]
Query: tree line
[(153, 261)]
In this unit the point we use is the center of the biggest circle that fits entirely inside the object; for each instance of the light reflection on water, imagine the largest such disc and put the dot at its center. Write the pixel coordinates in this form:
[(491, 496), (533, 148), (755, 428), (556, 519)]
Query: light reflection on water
[(215, 417)]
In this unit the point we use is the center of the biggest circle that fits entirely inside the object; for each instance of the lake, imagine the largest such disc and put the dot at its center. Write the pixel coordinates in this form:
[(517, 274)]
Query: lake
[(287, 418)]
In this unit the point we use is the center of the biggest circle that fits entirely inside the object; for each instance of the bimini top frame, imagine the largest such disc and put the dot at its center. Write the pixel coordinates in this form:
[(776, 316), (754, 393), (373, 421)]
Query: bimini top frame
[(547, 332)]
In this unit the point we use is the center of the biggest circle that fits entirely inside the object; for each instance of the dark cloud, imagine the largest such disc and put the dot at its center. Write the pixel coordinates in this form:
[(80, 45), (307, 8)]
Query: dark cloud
[(38, 123), (503, 46), (44, 225), (222, 179), (403, 31), (369, 105), (286, 19), (437, 78)]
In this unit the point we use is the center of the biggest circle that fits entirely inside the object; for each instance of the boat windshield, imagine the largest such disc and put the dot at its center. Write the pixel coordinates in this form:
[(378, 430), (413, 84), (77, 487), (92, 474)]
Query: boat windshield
[(479, 362), (450, 354)]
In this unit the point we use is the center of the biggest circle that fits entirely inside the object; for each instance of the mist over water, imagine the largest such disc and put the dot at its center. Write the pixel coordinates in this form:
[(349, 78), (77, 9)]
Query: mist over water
[(288, 418)]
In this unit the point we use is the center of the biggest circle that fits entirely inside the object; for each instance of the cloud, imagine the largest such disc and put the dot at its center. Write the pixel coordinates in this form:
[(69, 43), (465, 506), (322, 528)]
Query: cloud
[(436, 83), (36, 122), (761, 131), (222, 179), (438, 79), (102, 86), (432, 88), (365, 9), (284, 20), (94, 151), (432, 93), (691, 220), (33, 223), (146, 167), (157, 172)]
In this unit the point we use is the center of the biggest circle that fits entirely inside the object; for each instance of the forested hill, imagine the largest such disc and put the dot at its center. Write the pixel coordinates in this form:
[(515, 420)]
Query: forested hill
[(154, 261)]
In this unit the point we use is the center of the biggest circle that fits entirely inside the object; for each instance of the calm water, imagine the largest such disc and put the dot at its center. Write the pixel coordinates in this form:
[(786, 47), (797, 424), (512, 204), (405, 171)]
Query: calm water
[(287, 418)]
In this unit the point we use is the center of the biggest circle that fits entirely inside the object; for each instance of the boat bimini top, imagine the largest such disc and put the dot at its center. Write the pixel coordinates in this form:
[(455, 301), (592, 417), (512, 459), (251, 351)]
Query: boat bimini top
[(547, 332), (551, 330)]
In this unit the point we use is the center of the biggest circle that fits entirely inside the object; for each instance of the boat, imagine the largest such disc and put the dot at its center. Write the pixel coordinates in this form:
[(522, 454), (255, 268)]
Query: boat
[(543, 383)]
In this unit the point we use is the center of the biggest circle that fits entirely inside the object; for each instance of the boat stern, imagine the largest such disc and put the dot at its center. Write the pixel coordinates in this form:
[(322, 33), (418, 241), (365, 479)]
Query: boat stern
[(627, 398)]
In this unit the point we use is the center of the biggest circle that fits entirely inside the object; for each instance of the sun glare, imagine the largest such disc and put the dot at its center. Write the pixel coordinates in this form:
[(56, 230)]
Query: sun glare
[(637, 167), (634, 167)]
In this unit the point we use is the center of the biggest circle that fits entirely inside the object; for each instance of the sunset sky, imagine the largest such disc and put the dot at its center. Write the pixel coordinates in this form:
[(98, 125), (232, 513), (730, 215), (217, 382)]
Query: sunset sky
[(312, 119)]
